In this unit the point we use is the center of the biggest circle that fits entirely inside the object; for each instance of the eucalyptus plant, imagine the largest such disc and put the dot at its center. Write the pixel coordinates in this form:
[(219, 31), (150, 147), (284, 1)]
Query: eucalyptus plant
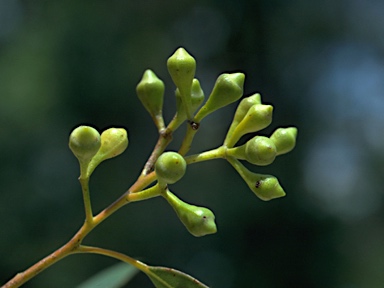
[(164, 168)]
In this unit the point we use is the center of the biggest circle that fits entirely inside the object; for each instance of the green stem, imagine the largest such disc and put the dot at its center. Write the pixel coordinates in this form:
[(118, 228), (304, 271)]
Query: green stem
[(67, 249), (129, 196), (151, 192), (165, 137), (72, 246), (84, 182), (110, 253), (240, 168), (208, 155), (188, 138)]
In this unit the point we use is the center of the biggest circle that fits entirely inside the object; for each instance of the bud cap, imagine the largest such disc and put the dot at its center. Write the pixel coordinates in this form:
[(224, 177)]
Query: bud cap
[(84, 142), (284, 139), (260, 151), (170, 167)]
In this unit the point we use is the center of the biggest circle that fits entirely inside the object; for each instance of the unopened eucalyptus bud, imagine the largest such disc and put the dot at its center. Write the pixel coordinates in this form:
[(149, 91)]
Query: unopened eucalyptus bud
[(266, 187), (260, 151), (228, 89), (258, 117), (170, 167), (182, 66), (197, 98), (284, 139), (150, 91), (199, 221), (114, 141), (241, 111), (84, 142)]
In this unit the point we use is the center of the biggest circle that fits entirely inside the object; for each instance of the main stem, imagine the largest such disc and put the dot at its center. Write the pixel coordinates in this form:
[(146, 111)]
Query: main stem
[(72, 246), (147, 177), (67, 249)]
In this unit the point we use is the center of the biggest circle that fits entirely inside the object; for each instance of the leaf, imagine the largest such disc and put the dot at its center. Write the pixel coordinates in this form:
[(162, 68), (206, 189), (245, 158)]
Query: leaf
[(163, 277), (113, 277)]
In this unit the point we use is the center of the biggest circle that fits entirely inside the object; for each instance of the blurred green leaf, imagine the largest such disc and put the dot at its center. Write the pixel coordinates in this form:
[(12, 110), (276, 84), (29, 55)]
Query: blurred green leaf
[(163, 277), (113, 277)]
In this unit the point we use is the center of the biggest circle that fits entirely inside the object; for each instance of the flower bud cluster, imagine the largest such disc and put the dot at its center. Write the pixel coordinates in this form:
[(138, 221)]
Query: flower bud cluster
[(91, 148), (252, 116)]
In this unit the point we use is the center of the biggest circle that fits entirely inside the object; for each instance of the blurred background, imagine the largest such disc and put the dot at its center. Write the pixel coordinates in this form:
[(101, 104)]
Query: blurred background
[(320, 63)]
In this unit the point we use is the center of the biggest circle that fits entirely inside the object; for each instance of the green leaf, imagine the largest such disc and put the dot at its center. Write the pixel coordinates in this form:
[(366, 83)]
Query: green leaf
[(163, 277), (113, 277)]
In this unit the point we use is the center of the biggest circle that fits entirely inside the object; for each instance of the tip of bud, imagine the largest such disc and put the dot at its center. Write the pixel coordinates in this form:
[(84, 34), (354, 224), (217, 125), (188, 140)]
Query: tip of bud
[(181, 60), (149, 76), (284, 139), (237, 78), (181, 53)]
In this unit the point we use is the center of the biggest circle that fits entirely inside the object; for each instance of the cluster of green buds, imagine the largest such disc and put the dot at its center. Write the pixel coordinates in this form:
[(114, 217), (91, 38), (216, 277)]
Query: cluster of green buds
[(251, 116), (91, 148), (168, 167), (164, 168)]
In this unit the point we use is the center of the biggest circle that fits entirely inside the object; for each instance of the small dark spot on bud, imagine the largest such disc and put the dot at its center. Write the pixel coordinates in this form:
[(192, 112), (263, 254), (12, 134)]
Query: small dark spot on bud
[(194, 125), (258, 184)]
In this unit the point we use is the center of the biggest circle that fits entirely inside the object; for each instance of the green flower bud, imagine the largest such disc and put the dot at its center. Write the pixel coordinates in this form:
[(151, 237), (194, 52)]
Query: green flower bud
[(245, 105), (258, 117), (241, 111), (284, 139), (170, 167), (266, 187), (182, 66), (260, 151), (150, 91), (114, 141), (199, 221), (228, 89), (197, 98), (84, 142)]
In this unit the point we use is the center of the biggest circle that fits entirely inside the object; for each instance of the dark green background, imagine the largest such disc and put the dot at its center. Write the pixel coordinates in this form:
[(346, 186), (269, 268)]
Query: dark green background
[(320, 63)]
